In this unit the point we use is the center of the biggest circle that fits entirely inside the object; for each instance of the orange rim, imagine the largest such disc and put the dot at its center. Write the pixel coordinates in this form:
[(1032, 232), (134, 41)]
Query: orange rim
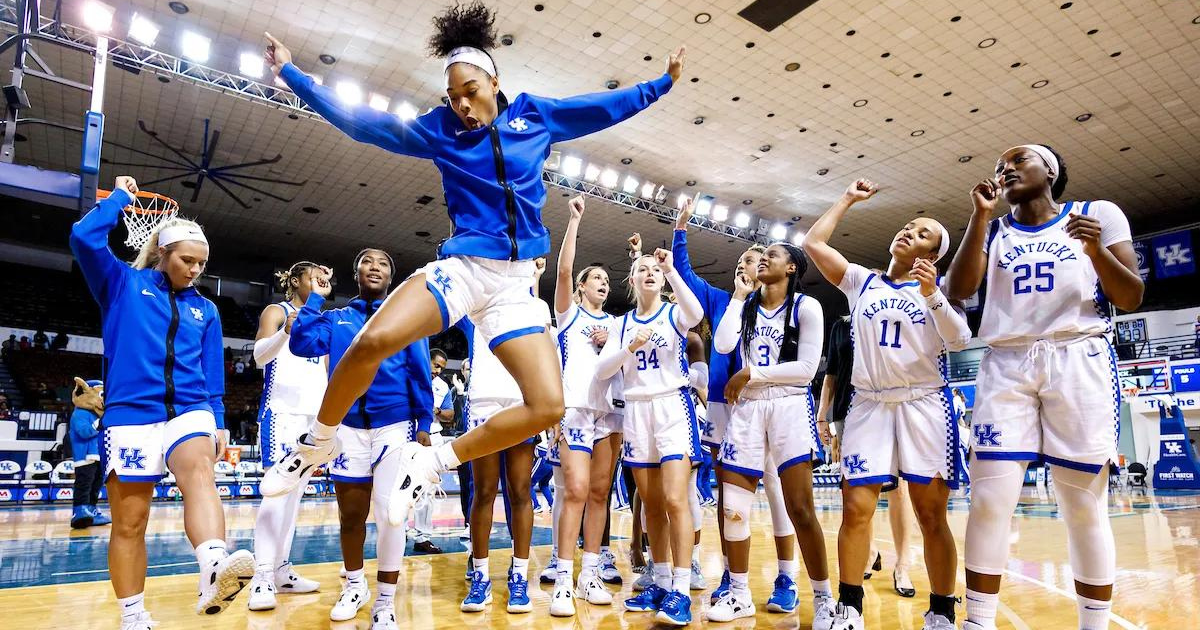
[(169, 204)]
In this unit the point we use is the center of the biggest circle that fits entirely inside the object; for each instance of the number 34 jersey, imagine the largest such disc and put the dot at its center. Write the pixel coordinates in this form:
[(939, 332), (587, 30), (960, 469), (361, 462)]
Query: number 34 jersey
[(659, 366), (1040, 284), (896, 345)]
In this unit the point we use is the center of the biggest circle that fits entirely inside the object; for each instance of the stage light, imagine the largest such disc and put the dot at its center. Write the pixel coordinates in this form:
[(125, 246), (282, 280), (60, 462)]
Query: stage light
[(742, 220), (720, 213), (554, 161), (143, 30), (704, 205), (592, 173), (683, 198), (98, 16), (349, 92), (609, 178), (779, 232), (379, 102), (406, 111), (250, 65), (195, 46), (631, 185), (572, 166), (648, 190)]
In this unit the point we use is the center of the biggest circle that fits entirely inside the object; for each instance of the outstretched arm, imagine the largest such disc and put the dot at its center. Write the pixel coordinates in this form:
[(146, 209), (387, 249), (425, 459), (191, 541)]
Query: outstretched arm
[(103, 271), (831, 263), (711, 298), (564, 284)]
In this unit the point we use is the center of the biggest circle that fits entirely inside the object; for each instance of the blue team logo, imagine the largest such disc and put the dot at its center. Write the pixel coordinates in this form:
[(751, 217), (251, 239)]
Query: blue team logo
[(628, 448), (518, 124), (987, 435), (707, 427), (7, 467), (575, 435), (342, 462), (854, 464), (132, 458), (728, 452), (442, 280)]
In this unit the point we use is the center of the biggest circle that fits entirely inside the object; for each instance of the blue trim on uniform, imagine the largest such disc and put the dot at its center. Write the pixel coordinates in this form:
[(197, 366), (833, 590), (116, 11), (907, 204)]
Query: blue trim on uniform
[(441, 301), (953, 463), (266, 433), (138, 478), (580, 447), (513, 334), (167, 457), (1013, 223), (764, 313), (670, 458), (562, 337), (866, 283), (916, 478), (344, 479), (633, 314), (1086, 205), (993, 229), (381, 454), (671, 318), (693, 422), (749, 472), (633, 464), (1066, 463), (872, 480), (819, 451), (1012, 456), (793, 461), (888, 282)]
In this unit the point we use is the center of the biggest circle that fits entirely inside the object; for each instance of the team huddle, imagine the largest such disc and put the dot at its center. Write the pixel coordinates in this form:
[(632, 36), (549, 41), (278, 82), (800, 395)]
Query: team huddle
[(349, 389)]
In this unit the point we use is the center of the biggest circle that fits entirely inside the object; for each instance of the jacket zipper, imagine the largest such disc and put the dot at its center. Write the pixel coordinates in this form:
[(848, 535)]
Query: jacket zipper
[(510, 201), (169, 362)]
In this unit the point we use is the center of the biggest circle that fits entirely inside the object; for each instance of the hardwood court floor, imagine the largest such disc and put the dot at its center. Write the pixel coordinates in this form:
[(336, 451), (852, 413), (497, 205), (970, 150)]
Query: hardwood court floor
[(51, 577)]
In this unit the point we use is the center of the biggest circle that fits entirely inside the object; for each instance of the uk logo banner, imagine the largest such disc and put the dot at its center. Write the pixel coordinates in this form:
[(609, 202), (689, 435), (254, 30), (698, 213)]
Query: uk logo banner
[(1142, 250), (1173, 255)]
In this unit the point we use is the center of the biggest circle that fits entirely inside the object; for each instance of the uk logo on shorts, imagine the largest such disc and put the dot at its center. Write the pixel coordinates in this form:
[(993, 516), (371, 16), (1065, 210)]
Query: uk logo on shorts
[(728, 452), (442, 280), (342, 462), (628, 447), (707, 427), (987, 435), (854, 464), (575, 436), (132, 458)]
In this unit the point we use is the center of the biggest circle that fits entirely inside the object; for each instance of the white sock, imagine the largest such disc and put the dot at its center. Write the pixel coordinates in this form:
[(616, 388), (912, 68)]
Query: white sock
[(209, 553), (481, 566), (520, 566), (445, 457), (696, 553), (1093, 613), (132, 606), (321, 432), (662, 576), (590, 561), (981, 609), (725, 562), (682, 580), (357, 577), (821, 588), (789, 568), (566, 566), (386, 597), (739, 583)]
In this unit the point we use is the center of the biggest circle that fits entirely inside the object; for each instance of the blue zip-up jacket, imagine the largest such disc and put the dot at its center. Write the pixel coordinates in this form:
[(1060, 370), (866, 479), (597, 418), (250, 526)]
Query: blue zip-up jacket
[(85, 437), (491, 177), (163, 349), (402, 387), (714, 301)]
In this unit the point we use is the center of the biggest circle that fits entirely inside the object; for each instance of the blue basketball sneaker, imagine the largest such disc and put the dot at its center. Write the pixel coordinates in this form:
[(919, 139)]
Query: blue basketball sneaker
[(646, 601), (479, 594), (98, 517), (784, 598), (722, 589), (518, 594), (676, 609)]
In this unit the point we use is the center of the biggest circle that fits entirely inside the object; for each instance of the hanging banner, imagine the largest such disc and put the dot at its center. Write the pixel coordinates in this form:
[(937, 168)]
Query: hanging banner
[(1173, 255), (1142, 249)]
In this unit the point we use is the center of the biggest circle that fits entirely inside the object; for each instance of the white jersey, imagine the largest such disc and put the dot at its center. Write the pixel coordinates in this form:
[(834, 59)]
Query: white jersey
[(660, 366), (579, 358), (767, 341), (896, 345), (489, 379), (292, 384), (440, 389), (1040, 284)]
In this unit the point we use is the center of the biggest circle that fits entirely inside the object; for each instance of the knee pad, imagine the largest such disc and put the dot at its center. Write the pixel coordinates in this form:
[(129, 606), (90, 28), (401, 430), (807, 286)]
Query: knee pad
[(995, 489), (738, 502), (1083, 500), (781, 523), (694, 502)]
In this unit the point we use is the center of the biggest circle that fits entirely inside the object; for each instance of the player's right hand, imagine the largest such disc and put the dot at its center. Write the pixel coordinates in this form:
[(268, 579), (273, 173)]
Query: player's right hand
[(860, 190), (576, 206), (126, 183), (685, 214), (639, 339), (276, 54), (291, 319), (319, 282), (984, 196)]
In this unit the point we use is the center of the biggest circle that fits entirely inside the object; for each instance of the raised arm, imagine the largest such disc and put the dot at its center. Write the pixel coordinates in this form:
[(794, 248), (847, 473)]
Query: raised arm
[(361, 122), (689, 311), (104, 273), (576, 116), (213, 357), (831, 263), (970, 261), (711, 298), (312, 332), (564, 281), (951, 326)]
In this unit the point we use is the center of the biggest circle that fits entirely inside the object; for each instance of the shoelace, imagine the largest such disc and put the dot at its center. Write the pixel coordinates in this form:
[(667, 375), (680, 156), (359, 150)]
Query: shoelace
[(672, 600), (428, 494), (478, 587)]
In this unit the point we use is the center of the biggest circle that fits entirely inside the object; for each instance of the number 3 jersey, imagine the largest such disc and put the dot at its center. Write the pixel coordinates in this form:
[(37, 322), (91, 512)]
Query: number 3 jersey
[(660, 366), (1040, 284), (896, 345)]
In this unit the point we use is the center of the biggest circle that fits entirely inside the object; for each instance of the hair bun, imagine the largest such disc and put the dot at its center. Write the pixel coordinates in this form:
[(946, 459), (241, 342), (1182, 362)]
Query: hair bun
[(470, 24)]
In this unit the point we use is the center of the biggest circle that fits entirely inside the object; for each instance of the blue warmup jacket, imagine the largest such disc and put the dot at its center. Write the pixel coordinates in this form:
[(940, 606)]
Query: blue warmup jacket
[(84, 435), (402, 389), (163, 349), (491, 177), (714, 301)]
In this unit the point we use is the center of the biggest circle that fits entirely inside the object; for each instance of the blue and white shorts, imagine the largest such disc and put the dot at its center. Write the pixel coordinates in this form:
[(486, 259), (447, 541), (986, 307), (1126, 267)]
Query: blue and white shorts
[(141, 452), (278, 433), (495, 294), (659, 430), (478, 411), (915, 440), (712, 429), (780, 430), (363, 448)]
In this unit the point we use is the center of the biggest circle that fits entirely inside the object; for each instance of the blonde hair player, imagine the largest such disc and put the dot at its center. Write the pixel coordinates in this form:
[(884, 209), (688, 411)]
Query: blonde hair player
[(660, 436), (163, 400), (292, 391), (1048, 387)]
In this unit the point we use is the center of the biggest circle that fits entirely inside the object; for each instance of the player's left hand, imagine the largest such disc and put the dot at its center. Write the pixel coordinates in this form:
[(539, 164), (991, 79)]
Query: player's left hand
[(1087, 230), (666, 260), (675, 63), (222, 442), (926, 273), (635, 245), (423, 438), (539, 266), (743, 286), (599, 337), (737, 382)]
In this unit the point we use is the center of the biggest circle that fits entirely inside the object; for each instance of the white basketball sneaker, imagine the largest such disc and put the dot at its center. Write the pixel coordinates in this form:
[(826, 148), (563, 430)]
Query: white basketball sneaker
[(141, 622), (562, 604), (730, 607), (416, 478), (937, 622), (262, 591), (824, 613), (288, 581), (223, 580), (847, 618), (352, 599), (285, 475), (384, 618), (591, 590)]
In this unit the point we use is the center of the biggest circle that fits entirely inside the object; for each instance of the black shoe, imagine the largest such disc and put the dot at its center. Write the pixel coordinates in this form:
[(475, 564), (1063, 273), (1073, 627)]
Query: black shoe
[(903, 592), (876, 566), (426, 546)]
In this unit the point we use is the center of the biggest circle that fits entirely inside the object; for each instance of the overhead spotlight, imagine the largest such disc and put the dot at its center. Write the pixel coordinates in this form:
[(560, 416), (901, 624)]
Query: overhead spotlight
[(572, 166), (507, 40), (379, 102), (98, 16), (612, 84), (195, 46), (704, 204), (554, 162), (720, 213), (798, 238), (406, 111), (661, 195), (250, 65), (349, 92), (631, 185), (142, 30), (779, 232), (742, 220), (592, 173), (609, 178), (699, 120), (648, 190)]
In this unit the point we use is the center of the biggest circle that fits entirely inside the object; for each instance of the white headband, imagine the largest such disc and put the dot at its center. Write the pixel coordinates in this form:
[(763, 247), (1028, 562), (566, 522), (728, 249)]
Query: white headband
[(945, 244), (176, 233), (1045, 154), (473, 56)]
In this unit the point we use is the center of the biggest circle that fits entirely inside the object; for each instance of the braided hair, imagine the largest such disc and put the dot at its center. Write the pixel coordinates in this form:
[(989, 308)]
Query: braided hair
[(791, 337), (296, 272)]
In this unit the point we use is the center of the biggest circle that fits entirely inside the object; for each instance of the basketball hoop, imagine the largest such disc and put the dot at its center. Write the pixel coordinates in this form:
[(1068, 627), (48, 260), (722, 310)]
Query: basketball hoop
[(147, 212), (1130, 391)]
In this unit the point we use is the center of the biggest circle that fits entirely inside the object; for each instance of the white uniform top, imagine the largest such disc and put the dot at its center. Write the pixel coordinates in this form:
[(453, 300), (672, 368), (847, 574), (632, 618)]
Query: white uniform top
[(579, 357), (489, 379), (769, 378), (897, 347), (440, 389), (660, 366), (292, 384), (1040, 284)]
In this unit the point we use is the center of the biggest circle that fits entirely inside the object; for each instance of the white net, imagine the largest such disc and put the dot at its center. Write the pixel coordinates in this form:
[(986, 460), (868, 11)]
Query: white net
[(146, 212)]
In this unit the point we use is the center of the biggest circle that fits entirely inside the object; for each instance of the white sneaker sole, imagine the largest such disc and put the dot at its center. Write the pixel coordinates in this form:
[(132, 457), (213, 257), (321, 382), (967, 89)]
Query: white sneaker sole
[(291, 588), (334, 615), (747, 612), (465, 607), (518, 609), (663, 618), (259, 603), (237, 574)]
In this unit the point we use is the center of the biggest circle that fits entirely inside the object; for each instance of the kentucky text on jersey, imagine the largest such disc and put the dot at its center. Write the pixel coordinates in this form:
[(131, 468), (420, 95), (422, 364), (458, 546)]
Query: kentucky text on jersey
[(911, 309), (1058, 250), (769, 332)]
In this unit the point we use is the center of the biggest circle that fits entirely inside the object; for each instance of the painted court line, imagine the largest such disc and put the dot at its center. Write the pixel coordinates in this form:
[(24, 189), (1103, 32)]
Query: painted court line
[(153, 566)]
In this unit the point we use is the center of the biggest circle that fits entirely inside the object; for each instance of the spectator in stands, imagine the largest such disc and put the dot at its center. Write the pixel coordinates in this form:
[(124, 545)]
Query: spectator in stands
[(5, 412), (63, 393), (60, 341), (239, 368), (10, 344), (228, 353), (24, 344), (40, 340), (248, 423), (88, 398)]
